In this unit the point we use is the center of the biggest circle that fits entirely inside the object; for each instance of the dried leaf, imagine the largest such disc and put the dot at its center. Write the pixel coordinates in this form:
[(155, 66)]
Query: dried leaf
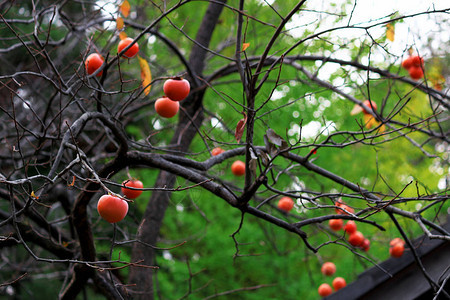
[(119, 23), (125, 8), (240, 127), (265, 159), (122, 35), (245, 46), (146, 75), (276, 139), (390, 32), (270, 148), (273, 137)]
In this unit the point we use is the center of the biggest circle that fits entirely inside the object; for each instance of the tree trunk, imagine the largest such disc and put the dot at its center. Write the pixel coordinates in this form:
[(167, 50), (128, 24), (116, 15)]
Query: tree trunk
[(186, 130)]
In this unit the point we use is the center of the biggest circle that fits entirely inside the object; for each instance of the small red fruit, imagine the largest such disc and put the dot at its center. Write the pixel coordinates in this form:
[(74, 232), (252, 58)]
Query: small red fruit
[(356, 239), (129, 193), (339, 283), (328, 268), (130, 52), (217, 151), (350, 227), (415, 72), (407, 63), (397, 250), (325, 290), (370, 104), (93, 62), (112, 208), (176, 89), (238, 168), (365, 246), (345, 210), (286, 204), (166, 108), (336, 224), (396, 241), (417, 61)]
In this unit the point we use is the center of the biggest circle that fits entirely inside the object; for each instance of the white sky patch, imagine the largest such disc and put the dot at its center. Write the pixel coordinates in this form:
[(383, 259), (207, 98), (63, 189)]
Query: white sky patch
[(265, 2), (109, 9), (314, 128), (442, 184), (310, 130), (277, 95), (216, 123), (412, 31)]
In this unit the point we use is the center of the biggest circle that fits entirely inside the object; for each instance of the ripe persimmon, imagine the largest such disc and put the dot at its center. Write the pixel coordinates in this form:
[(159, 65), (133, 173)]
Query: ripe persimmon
[(397, 247), (238, 167), (112, 208), (176, 89), (217, 151), (415, 72), (130, 52), (356, 239), (328, 268), (286, 204), (407, 63), (93, 62), (397, 250), (417, 61), (338, 283), (350, 227), (166, 108), (336, 224), (395, 241), (365, 246), (325, 290), (370, 104), (129, 193)]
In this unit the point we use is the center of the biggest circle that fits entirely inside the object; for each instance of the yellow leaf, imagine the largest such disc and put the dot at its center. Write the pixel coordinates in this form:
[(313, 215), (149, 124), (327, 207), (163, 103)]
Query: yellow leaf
[(73, 182), (122, 35), (390, 32), (369, 121), (119, 23), (125, 8), (146, 75), (33, 195), (245, 46), (382, 129)]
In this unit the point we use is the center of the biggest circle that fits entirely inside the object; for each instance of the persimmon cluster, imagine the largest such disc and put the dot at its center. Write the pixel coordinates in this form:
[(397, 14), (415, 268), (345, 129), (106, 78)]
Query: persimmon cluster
[(175, 89), (355, 237), (414, 65), (112, 208), (329, 269)]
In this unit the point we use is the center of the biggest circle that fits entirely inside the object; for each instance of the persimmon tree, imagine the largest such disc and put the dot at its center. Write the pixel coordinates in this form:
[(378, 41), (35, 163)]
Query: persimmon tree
[(315, 102)]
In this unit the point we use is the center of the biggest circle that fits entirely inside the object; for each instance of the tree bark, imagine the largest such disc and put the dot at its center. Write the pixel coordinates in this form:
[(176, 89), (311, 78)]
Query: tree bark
[(191, 117)]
